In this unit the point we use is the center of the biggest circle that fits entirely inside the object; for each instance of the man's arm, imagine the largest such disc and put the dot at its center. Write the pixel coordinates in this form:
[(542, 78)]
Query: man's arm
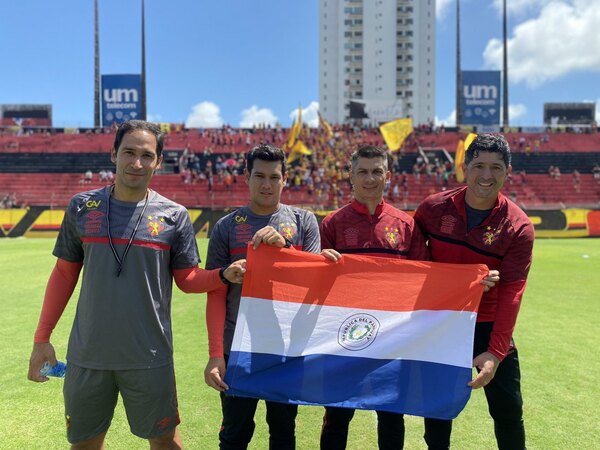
[(418, 250), (327, 236), (327, 232), (197, 280), (514, 269), (59, 289), (216, 310)]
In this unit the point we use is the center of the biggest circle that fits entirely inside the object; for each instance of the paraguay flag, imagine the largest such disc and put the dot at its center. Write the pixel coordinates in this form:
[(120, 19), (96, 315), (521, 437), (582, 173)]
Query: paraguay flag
[(365, 332)]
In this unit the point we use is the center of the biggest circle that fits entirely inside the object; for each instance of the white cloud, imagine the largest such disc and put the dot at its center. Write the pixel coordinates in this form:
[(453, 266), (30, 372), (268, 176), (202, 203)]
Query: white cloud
[(516, 111), (205, 115), (449, 121), (561, 40), (255, 116), (441, 8), (310, 115)]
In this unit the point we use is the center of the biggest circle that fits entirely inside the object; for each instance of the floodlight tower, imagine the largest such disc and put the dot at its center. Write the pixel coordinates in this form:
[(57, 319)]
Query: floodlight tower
[(505, 69)]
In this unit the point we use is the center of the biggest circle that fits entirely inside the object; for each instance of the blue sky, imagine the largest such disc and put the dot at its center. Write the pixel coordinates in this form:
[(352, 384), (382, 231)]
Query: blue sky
[(240, 62)]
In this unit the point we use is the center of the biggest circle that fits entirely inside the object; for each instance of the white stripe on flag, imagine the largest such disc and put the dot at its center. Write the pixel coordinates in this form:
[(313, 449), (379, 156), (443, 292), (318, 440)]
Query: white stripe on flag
[(296, 329)]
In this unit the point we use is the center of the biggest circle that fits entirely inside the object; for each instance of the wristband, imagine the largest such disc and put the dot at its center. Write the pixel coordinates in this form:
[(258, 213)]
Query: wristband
[(222, 276)]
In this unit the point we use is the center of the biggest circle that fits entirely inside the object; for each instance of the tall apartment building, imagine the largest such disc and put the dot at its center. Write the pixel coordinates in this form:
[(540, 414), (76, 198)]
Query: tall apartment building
[(381, 52)]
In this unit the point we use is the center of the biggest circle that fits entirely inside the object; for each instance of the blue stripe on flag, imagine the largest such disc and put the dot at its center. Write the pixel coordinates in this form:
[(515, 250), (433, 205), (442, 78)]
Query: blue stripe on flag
[(404, 386)]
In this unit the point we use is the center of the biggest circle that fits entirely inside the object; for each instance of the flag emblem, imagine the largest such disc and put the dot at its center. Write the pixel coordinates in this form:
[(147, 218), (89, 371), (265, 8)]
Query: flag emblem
[(358, 331)]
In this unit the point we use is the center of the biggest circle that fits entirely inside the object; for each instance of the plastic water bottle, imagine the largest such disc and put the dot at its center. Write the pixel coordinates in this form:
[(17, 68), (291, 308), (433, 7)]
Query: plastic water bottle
[(57, 371)]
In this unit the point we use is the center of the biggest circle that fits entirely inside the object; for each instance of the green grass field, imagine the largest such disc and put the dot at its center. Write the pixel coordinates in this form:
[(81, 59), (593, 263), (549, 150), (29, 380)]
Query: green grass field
[(558, 335)]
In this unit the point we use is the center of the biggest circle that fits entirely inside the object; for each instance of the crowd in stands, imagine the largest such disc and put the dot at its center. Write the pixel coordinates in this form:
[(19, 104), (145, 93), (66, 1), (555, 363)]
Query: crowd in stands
[(213, 159), (227, 139), (325, 173)]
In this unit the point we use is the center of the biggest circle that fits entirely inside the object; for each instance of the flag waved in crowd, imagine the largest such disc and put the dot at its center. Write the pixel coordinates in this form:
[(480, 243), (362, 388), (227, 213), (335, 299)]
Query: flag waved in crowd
[(395, 132), (459, 157), (364, 332)]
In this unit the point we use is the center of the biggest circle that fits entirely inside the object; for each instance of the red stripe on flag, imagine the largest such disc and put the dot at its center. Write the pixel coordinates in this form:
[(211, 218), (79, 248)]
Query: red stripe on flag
[(362, 281), (242, 250)]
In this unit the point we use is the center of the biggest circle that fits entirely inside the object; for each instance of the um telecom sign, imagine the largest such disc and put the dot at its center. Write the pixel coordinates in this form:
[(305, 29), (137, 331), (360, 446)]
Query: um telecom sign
[(121, 98), (480, 97)]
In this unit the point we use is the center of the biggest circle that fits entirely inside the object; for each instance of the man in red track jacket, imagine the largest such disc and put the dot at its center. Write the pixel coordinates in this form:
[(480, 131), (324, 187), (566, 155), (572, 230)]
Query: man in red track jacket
[(369, 226), (477, 224)]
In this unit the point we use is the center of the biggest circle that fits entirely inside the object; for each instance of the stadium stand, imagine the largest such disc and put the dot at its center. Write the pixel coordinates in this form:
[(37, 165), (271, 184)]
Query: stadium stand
[(203, 168)]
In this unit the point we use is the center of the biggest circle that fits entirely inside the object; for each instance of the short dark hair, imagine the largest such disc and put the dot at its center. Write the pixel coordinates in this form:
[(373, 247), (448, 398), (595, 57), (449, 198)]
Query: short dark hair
[(371, 151), (493, 143), (265, 152), (133, 125)]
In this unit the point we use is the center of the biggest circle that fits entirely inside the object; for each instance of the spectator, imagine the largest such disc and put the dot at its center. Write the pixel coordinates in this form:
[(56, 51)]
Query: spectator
[(523, 177), (396, 192), (577, 181), (596, 172)]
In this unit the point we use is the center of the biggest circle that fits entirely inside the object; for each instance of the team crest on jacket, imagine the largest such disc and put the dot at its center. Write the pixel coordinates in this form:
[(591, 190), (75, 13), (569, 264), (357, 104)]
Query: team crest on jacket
[(391, 235), (288, 230), (155, 225), (490, 235)]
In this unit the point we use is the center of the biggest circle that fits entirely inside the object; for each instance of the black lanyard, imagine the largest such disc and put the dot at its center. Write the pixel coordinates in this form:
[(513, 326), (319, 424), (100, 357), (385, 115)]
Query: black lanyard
[(121, 261)]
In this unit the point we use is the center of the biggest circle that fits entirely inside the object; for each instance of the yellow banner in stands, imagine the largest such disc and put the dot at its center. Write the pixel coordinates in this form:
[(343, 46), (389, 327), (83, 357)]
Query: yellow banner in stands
[(395, 132), (459, 157)]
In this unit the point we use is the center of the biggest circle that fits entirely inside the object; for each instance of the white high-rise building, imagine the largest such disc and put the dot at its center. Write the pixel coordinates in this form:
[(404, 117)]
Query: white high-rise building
[(381, 53)]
